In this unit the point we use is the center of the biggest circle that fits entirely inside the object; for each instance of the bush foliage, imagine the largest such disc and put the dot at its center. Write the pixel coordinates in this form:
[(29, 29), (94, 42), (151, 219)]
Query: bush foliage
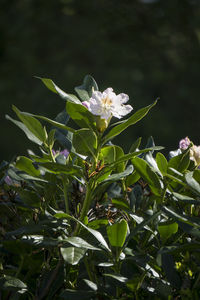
[(81, 219)]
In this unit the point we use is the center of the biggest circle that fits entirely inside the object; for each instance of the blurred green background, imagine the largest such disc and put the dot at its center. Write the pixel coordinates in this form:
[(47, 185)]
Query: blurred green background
[(145, 48)]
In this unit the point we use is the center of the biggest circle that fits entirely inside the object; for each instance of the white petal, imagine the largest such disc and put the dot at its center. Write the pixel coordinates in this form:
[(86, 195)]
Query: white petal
[(123, 98)]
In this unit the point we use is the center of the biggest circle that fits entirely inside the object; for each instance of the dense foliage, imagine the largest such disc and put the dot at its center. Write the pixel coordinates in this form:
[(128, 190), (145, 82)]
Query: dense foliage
[(81, 219)]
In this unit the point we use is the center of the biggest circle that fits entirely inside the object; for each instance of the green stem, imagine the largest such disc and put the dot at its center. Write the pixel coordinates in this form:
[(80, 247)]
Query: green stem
[(164, 193), (85, 208), (88, 269), (65, 191)]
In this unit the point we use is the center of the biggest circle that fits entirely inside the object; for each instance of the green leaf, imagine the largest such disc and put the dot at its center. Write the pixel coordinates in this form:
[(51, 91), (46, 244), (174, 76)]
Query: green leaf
[(117, 277), (25, 164), (121, 204), (132, 179), (166, 229), (61, 169), (11, 283), (132, 120), (80, 243), (32, 124), (27, 132), (135, 145), (118, 176), (186, 199), (54, 88), (54, 123), (162, 163), (72, 255), (85, 90), (85, 142), (117, 233), (124, 158), (142, 226), (110, 154), (96, 224), (81, 115), (192, 183), (30, 198), (179, 162), (95, 233), (148, 175)]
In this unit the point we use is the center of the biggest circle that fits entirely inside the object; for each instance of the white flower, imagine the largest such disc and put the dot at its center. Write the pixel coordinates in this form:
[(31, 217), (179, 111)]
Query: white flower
[(195, 154), (108, 104)]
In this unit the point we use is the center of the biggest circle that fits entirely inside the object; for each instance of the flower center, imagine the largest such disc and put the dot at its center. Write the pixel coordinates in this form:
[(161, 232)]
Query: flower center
[(106, 101)]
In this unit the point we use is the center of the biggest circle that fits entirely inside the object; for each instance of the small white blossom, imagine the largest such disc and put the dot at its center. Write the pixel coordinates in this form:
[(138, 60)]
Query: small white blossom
[(195, 154), (108, 104)]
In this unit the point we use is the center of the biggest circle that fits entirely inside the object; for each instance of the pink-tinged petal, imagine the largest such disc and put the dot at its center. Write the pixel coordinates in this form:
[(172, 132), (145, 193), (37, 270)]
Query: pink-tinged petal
[(86, 104)]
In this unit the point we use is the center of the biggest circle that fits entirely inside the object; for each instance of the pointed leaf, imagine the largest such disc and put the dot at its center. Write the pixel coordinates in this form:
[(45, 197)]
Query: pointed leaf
[(27, 132), (95, 233), (32, 124), (117, 233), (85, 90), (80, 243), (132, 120), (85, 141), (162, 163), (25, 164), (72, 255), (81, 115), (54, 88), (148, 175)]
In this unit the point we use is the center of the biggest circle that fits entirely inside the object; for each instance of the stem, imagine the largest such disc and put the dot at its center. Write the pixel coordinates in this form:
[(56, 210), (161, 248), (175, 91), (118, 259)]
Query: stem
[(85, 208), (65, 186), (88, 269)]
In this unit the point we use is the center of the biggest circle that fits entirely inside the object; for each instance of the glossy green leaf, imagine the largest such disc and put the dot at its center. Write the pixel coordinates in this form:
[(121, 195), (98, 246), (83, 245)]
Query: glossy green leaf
[(80, 243), (72, 255), (186, 199), (32, 124), (95, 233), (162, 163), (148, 175), (27, 132), (135, 145), (81, 115), (84, 91), (119, 278), (25, 164), (192, 183), (130, 121), (117, 233), (124, 158), (110, 154), (117, 176), (121, 204), (179, 162), (54, 88), (132, 178), (54, 123), (166, 229), (61, 169), (85, 142)]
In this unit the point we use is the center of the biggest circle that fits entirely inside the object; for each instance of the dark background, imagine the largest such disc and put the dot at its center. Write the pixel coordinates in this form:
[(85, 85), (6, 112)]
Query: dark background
[(145, 48)]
